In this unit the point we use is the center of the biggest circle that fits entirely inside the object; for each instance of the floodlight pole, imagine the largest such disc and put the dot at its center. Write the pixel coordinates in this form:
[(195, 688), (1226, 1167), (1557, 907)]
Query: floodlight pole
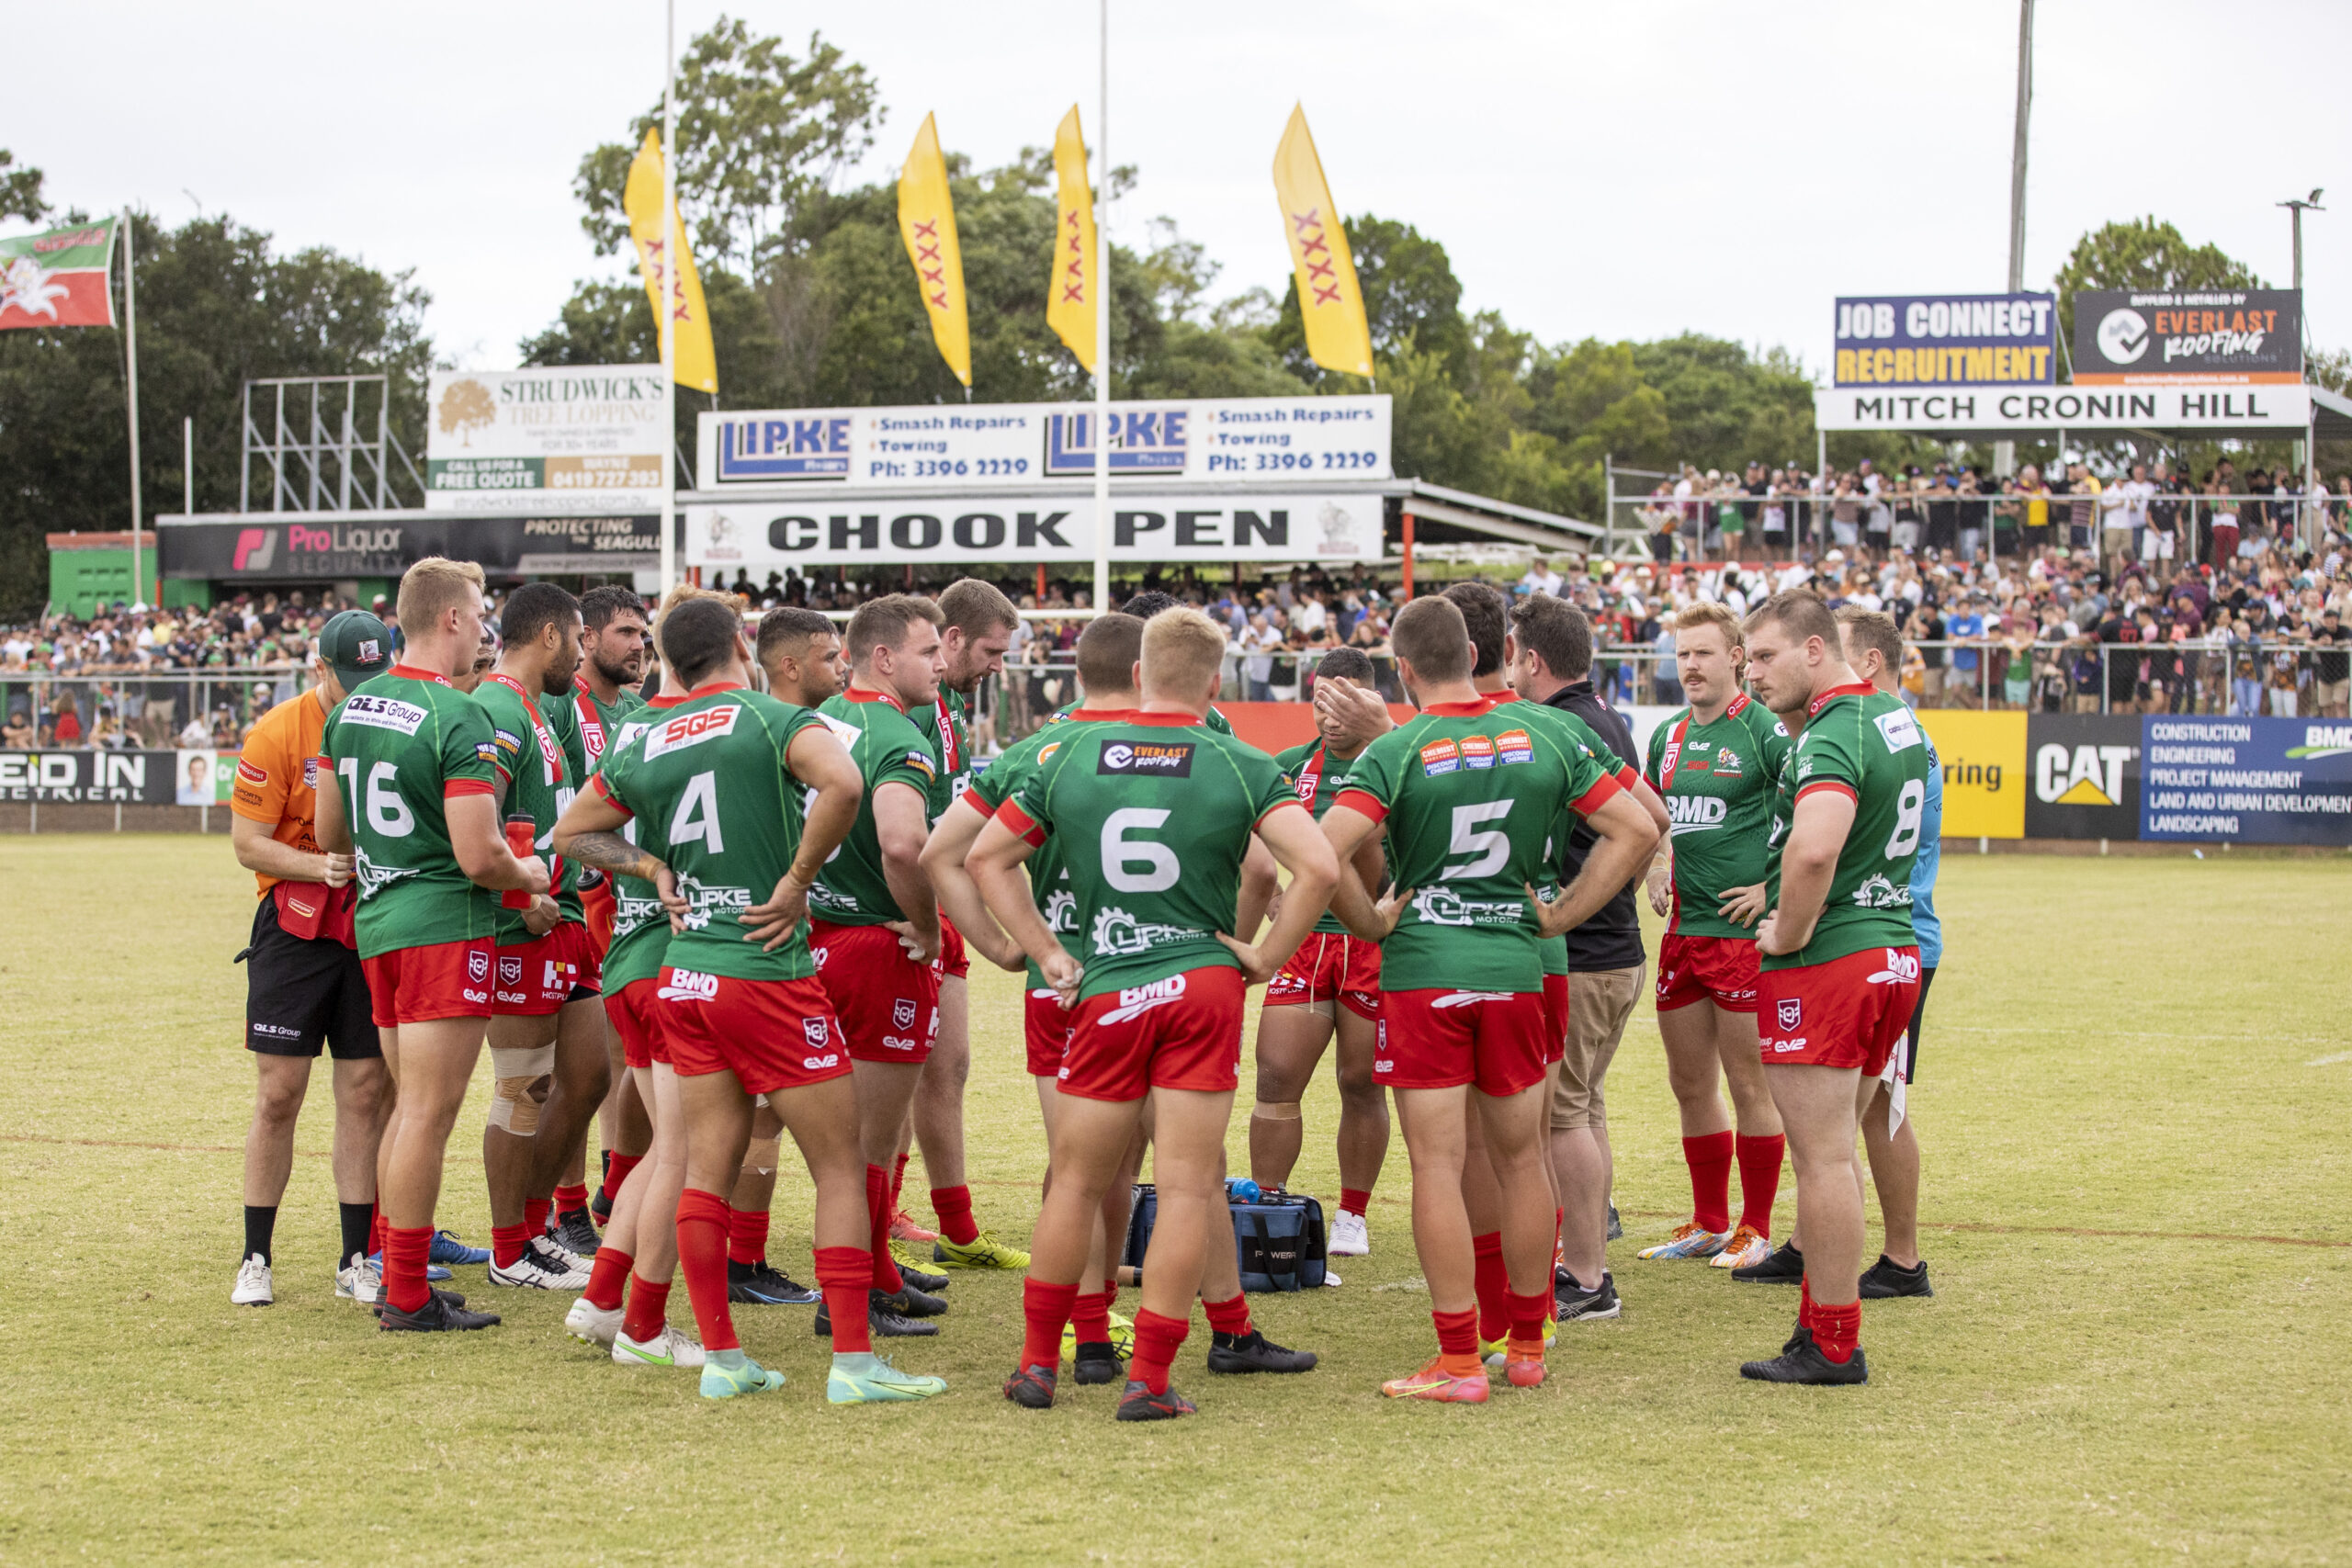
[(2005, 453), (130, 387), (2306, 451), (1103, 316), (668, 292)]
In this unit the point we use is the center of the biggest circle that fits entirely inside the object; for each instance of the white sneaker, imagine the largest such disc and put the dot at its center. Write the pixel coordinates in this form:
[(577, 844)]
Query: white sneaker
[(361, 1281), (671, 1347), (539, 1268), (252, 1284), (1349, 1236), (591, 1324)]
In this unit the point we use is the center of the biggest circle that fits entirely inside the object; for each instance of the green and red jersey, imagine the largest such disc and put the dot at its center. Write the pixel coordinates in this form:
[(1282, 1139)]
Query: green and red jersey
[(712, 780), (889, 749), (1719, 781), (1472, 795), (1577, 732), (1319, 778), (992, 786), (946, 727), (538, 775), (641, 926), (1869, 748), (400, 746), (597, 721), (1153, 812)]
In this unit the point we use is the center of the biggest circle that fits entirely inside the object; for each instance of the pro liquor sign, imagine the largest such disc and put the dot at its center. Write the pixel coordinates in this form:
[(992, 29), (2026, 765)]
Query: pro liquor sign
[(578, 438)]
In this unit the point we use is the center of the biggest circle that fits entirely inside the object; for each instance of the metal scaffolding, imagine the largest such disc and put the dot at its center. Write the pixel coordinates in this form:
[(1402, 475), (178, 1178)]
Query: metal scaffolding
[(326, 445)]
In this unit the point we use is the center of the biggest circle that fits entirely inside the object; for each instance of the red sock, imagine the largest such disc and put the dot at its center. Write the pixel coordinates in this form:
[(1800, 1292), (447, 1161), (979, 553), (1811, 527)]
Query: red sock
[(608, 1277), (842, 1274), (616, 1176), (1804, 1303), (534, 1214), (1527, 1315), (1355, 1200), (953, 1207), (1046, 1307), (1837, 1329), (1228, 1317), (898, 1181), (1493, 1284), (1090, 1317), (1759, 1179), (649, 1309), (1110, 1295), (702, 1256), (1709, 1158), (1158, 1339), (747, 1235), (570, 1198), (884, 1269), (376, 1232), (507, 1243), (1457, 1341), (404, 1252)]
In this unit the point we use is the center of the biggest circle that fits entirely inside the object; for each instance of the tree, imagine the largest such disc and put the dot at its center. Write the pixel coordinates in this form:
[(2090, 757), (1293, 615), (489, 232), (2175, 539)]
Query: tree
[(21, 190), (217, 307), (466, 407), (1411, 295), (2142, 254)]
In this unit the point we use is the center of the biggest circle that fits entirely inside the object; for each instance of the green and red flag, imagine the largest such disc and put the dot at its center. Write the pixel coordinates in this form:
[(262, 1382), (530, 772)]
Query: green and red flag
[(58, 278)]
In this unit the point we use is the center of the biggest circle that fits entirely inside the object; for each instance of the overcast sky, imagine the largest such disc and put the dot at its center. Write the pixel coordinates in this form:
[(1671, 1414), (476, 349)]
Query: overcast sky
[(1594, 170)]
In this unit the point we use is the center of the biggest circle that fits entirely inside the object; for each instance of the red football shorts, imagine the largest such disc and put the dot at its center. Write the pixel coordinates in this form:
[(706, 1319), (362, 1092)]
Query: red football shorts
[(1555, 1017), (417, 984), (537, 978), (1721, 969), (889, 1004), (1442, 1039), (1044, 1029), (637, 1020), (598, 905), (1180, 1032), (1848, 1013), (773, 1034), (953, 960), (1328, 968)]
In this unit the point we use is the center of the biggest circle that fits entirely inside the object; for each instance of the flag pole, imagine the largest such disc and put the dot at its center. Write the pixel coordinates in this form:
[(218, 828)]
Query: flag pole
[(1103, 323), (669, 294), (130, 382)]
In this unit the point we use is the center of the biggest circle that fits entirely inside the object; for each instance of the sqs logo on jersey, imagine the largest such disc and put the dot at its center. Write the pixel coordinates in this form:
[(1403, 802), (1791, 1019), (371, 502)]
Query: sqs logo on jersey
[(690, 729), (1146, 758)]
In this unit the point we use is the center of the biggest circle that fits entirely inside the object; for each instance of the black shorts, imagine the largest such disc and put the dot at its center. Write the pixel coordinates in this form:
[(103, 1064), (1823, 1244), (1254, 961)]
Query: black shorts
[(1911, 1037), (302, 994)]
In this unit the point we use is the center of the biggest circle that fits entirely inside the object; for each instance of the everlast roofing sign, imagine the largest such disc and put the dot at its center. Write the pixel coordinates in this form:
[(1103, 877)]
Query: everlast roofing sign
[(1947, 340), (2241, 336), (980, 526), (579, 438)]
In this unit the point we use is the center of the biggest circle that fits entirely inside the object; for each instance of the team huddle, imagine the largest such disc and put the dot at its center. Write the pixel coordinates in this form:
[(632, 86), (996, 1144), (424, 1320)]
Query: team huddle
[(742, 903)]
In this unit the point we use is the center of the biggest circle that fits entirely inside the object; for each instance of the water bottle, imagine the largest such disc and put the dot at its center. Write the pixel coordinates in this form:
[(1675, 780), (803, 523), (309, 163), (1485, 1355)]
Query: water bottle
[(1240, 1188)]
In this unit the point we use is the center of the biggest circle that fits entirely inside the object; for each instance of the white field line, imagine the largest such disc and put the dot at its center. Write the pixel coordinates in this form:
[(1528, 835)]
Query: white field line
[(2340, 1057), (2155, 1035)]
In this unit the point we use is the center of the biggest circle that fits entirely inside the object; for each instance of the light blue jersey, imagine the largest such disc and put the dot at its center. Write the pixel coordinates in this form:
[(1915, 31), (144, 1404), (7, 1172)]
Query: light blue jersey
[(1924, 919)]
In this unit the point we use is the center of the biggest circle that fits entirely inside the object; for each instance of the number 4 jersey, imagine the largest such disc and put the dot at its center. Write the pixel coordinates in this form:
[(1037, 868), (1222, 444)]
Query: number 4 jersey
[(1869, 748), (1153, 814), (400, 746)]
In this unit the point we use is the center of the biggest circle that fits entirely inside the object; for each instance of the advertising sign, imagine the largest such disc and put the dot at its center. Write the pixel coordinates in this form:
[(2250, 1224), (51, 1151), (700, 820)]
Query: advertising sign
[(1006, 445), (2215, 410), (2085, 776), (265, 551), (93, 777), (203, 778), (1947, 340), (2231, 336), (576, 438), (982, 527), (2250, 781), (1984, 767)]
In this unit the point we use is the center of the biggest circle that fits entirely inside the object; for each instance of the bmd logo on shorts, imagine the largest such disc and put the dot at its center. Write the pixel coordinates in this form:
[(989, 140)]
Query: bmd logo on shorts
[(1138, 999), (1146, 758), (688, 985), (1902, 968), (1791, 1012)]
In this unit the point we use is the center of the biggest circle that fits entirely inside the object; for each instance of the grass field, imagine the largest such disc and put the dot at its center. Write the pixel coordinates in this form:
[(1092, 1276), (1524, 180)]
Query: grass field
[(2132, 1105)]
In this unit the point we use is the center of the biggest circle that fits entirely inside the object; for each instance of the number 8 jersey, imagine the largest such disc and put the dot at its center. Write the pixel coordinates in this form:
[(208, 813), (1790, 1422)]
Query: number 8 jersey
[(1869, 748), (400, 746), (1153, 814)]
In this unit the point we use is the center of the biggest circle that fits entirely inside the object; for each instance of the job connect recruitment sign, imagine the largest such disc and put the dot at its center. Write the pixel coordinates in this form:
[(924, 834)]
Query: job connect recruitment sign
[(1947, 340), (1006, 445)]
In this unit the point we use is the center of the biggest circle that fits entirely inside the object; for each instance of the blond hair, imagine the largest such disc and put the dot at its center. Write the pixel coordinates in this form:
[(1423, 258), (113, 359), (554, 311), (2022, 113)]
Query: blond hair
[(1709, 613), (1872, 628), (432, 588), (1183, 651)]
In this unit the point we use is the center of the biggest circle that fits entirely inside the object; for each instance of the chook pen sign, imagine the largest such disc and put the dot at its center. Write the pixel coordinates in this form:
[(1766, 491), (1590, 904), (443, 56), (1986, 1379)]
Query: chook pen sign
[(1947, 340), (2228, 337)]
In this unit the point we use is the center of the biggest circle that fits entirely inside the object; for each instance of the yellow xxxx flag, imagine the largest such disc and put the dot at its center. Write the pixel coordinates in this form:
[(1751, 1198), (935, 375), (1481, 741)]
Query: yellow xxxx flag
[(1329, 302), (693, 364), (1069, 293), (927, 223)]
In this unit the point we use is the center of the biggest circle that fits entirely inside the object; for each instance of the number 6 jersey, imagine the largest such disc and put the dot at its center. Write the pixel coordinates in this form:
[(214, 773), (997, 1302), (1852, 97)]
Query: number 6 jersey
[(400, 746), (1869, 748), (1152, 814)]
